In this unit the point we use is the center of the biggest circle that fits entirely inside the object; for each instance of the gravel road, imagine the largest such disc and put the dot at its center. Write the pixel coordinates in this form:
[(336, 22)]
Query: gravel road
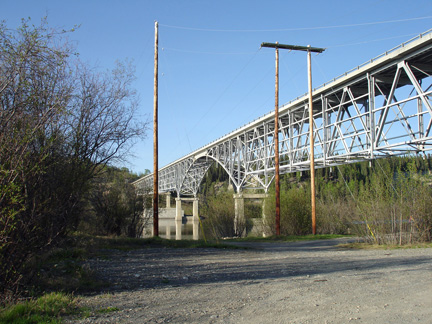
[(307, 282)]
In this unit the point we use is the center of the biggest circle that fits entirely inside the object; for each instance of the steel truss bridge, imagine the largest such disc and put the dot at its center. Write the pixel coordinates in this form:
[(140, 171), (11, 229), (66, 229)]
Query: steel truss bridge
[(381, 108)]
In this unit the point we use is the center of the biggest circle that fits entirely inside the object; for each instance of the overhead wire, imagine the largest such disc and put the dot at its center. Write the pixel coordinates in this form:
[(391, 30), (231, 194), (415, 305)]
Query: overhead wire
[(207, 52), (372, 41), (269, 30), (293, 74), (224, 116), (223, 93), (287, 29), (165, 88), (210, 108), (297, 28)]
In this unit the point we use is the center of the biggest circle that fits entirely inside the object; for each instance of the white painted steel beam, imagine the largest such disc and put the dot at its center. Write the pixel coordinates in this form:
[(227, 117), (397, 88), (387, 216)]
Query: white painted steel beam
[(381, 108)]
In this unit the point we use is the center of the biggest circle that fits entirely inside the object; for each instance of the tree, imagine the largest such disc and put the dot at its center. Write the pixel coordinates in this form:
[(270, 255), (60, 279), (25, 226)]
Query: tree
[(117, 207), (60, 124)]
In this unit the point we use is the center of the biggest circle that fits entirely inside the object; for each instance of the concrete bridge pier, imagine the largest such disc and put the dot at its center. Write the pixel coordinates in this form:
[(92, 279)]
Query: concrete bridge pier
[(239, 219), (195, 220), (178, 219), (168, 232), (168, 206), (239, 216), (168, 200)]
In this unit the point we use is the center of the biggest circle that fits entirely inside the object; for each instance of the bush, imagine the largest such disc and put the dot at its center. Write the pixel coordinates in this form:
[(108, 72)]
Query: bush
[(333, 216), (395, 207), (295, 214), (219, 215)]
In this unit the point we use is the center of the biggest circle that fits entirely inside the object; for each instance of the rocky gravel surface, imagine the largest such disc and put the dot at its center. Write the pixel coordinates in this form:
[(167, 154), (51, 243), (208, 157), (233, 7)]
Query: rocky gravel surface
[(307, 282)]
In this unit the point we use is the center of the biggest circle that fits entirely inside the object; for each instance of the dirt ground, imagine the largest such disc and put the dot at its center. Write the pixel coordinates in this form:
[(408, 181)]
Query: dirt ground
[(307, 282)]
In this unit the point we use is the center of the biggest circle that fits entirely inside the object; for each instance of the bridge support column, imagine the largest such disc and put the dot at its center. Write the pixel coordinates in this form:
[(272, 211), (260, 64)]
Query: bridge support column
[(168, 232), (195, 219), (149, 230), (178, 219), (239, 219), (168, 200), (264, 217)]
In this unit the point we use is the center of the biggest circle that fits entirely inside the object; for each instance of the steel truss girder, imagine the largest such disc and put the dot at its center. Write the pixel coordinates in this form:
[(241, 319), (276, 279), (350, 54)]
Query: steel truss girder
[(380, 109)]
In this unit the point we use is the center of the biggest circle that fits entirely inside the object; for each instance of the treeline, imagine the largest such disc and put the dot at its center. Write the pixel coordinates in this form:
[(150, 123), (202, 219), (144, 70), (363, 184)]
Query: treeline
[(384, 201), (61, 123)]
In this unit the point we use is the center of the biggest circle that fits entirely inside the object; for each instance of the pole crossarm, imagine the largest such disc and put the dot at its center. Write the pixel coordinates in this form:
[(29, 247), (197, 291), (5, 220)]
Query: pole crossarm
[(294, 47), (378, 109)]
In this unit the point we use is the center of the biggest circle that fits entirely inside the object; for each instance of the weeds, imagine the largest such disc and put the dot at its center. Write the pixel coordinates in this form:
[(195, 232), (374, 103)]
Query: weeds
[(46, 309), (109, 309)]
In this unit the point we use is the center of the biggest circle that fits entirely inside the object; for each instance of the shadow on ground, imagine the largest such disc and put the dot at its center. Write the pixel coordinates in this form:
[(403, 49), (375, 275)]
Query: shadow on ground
[(162, 267)]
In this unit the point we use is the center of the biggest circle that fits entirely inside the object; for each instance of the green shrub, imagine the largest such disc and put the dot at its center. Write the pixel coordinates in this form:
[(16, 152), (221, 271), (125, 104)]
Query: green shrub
[(334, 216), (295, 212), (219, 214)]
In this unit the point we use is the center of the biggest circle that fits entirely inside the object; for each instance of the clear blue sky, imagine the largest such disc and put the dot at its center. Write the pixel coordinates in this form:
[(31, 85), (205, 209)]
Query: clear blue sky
[(213, 76)]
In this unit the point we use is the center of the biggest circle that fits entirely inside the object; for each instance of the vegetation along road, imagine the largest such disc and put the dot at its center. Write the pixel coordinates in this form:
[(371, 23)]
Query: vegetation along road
[(306, 282)]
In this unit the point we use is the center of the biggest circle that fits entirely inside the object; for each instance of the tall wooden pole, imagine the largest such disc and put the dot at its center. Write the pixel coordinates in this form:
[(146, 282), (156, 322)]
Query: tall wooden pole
[(311, 135), (312, 142), (155, 141), (276, 145)]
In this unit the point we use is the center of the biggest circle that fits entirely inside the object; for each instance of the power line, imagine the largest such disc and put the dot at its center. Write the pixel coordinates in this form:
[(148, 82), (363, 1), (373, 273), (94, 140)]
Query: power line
[(223, 93), (204, 52), (373, 40), (252, 53), (296, 29)]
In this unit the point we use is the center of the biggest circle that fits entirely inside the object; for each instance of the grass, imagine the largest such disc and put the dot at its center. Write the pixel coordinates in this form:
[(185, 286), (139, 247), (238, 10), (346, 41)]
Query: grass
[(48, 308), (87, 246), (109, 309), (94, 245)]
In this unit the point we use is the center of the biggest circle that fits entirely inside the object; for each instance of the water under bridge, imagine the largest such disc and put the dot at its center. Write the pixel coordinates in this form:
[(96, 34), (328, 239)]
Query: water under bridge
[(379, 109)]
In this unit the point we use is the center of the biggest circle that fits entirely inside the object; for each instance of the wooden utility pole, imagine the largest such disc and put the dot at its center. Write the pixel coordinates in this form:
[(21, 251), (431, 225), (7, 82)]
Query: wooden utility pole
[(312, 142), (276, 144), (311, 135), (155, 141)]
